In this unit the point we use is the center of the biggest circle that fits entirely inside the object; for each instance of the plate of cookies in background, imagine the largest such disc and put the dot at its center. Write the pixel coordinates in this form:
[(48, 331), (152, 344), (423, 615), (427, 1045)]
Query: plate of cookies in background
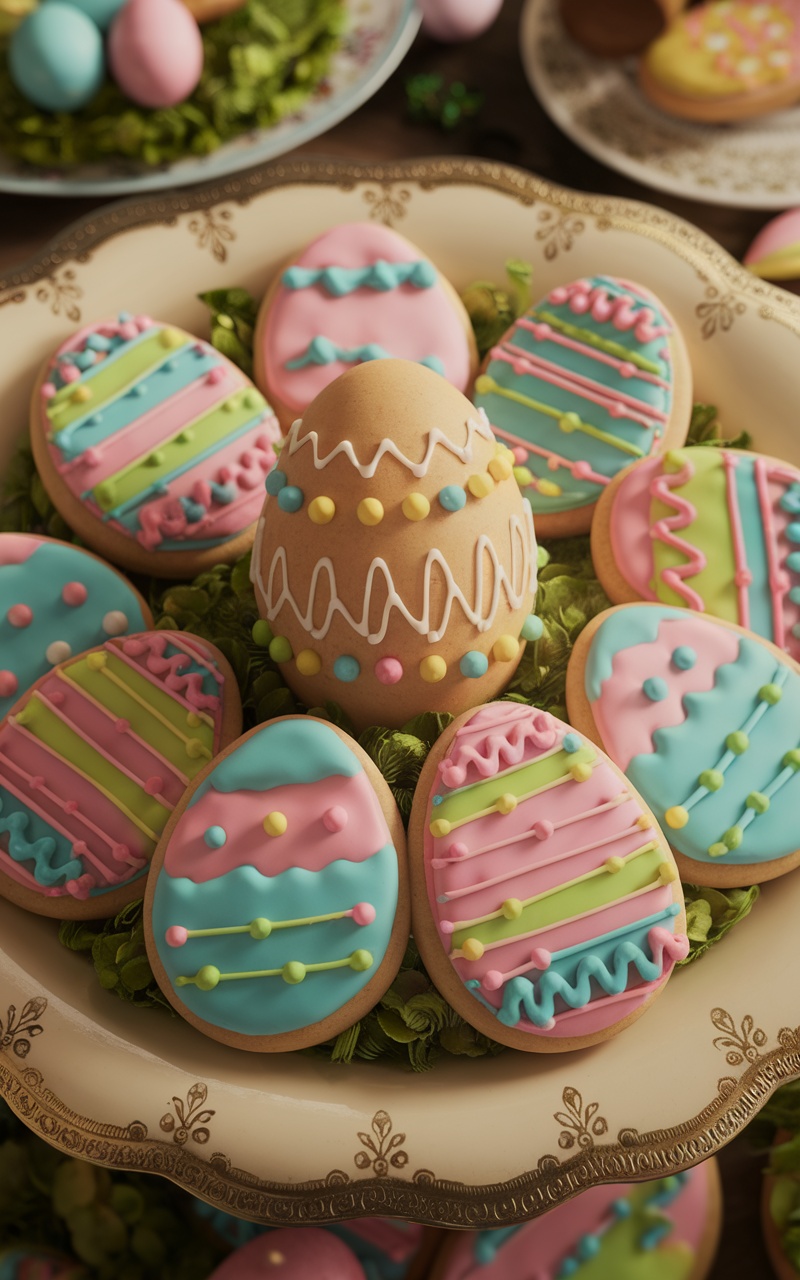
[(698, 101), (323, 802)]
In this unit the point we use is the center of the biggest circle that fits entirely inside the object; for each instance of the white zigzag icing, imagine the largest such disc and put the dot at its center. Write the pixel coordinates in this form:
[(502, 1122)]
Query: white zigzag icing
[(479, 426)]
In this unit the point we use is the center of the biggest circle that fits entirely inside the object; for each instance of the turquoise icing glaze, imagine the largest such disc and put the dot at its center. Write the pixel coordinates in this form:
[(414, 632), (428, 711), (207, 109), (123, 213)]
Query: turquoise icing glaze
[(322, 350), (619, 631), (288, 751), (525, 425), (38, 583), (759, 594), (270, 1006), (381, 276)]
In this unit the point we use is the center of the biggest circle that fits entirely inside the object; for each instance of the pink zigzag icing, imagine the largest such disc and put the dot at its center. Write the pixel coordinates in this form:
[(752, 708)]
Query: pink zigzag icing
[(504, 741), (663, 488), (603, 306), (189, 685)]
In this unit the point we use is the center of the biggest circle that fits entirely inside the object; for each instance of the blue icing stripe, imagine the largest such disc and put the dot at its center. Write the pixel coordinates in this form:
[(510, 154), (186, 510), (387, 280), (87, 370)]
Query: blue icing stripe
[(381, 276), (759, 594), (38, 583), (323, 351), (271, 1006), (286, 752), (622, 630)]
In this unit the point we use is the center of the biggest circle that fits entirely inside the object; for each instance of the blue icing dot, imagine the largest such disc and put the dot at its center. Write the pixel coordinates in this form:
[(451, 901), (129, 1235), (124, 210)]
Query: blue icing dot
[(684, 657), (793, 531), (791, 500), (276, 480), (588, 1247), (568, 1268), (452, 497), (655, 689), (793, 561), (96, 342), (290, 498), (423, 274), (437, 800), (622, 1208), (532, 628), (433, 362), (474, 664), (794, 595), (346, 668), (571, 742), (215, 837)]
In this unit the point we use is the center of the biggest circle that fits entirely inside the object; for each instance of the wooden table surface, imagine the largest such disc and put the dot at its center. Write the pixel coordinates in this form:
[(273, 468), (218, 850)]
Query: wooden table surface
[(511, 127)]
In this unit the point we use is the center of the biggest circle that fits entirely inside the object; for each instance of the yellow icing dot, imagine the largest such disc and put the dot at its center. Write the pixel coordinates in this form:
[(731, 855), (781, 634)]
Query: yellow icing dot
[(309, 663), (472, 949), (96, 661), (644, 822), (523, 476), (505, 648), (480, 485), (440, 827), (433, 669), (194, 748), (500, 468), (370, 511), (321, 510), (667, 873), (275, 823), (81, 394), (506, 803), (416, 506), (171, 337), (581, 771), (512, 909), (676, 817), (614, 865), (549, 489)]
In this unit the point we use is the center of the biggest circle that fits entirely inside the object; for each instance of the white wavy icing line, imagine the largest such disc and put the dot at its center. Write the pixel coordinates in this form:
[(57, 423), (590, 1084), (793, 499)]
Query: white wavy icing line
[(479, 426), (523, 571)]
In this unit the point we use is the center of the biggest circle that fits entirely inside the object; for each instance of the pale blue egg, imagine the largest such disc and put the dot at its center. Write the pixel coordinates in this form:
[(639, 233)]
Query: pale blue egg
[(101, 12), (56, 57)]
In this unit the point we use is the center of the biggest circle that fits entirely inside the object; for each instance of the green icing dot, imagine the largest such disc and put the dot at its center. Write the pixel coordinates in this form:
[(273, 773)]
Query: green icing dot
[(207, 977), (733, 837), (792, 759), (280, 650), (293, 972), (717, 850), (361, 960), (711, 779), (757, 801), (260, 927), (262, 633), (770, 693), (737, 742)]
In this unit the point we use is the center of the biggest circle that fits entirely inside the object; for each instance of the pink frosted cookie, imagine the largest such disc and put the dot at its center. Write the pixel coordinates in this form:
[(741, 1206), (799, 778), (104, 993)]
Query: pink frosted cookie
[(152, 445), (546, 903), (358, 292), (775, 253), (713, 530), (662, 1230), (94, 758), (295, 1253)]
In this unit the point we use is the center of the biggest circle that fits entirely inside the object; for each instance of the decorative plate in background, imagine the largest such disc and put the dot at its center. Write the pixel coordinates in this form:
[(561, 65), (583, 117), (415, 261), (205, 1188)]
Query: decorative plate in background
[(598, 104), (292, 1138), (378, 37)]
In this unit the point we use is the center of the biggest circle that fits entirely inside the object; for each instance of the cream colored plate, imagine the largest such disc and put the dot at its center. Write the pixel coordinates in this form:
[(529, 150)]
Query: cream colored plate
[(292, 1138), (751, 165)]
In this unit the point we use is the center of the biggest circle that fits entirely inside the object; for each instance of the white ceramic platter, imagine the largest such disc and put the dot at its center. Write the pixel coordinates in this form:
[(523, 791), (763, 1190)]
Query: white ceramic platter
[(290, 1138), (378, 36), (598, 104)]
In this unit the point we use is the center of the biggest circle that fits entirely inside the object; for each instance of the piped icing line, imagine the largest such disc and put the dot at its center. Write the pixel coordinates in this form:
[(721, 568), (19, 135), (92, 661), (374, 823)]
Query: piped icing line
[(542, 332), (751, 812), (185, 687), (107, 672), (261, 927), (504, 802), (743, 577), (778, 581), (293, 972), (451, 776), (591, 339), (583, 296), (322, 350), (578, 468), (387, 448), (40, 851), (663, 489), (489, 385), (382, 276), (465, 856)]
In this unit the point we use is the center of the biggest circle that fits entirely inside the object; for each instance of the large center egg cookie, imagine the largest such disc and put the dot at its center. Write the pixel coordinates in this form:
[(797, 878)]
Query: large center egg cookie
[(152, 445), (592, 377), (395, 561), (546, 902), (94, 759), (278, 909)]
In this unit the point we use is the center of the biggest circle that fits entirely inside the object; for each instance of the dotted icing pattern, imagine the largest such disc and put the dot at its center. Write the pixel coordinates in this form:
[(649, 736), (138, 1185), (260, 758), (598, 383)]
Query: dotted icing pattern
[(717, 531), (580, 386), (725, 49), (284, 920), (55, 600), (95, 760), (158, 434), (551, 890), (717, 757)]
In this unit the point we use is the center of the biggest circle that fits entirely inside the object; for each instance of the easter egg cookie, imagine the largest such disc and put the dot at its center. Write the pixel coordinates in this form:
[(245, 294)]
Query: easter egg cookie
[(546, 902), (704, 719), (395, 560), (293, 1253), (592, 377), (726, 60), (667, 1229), (94, 758), (152, 445), (774, 255), (714, 530), (277, 913), (55, 601), (359, 292)]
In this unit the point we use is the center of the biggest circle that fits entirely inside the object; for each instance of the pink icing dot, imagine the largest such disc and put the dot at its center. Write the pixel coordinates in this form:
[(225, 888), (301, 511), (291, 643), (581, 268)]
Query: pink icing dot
[(553, 464), (446, 926), (542, 829), (581, 470), (492, 980), (8, 684), (225, 475), (121, 852), (363, 913), (57, 698), (201, 492), (69, 373), (142, 323), (520, 455), (122, 726), (541, 958), (20, 615), (742, 578), (781, 582), (176, 935), (80, 848), (388, 670), (80, 888), (48, 390), (248, 458), (335, 818), (129, 330), (71, 806), (92, 457), (134, 648), (542, 332), (579, 302), (37, 782), (458, 850), (153, 785), (626, 370), (74, 594), (215, 375), (616, 409)]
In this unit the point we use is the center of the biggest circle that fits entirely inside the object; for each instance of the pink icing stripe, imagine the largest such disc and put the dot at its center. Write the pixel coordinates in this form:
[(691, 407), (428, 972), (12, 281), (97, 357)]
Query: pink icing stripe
[(580, 469), (525, 835), (506, 747), (524, 362), (542, 331), (742, 577), (778, 580), (662, 488), (17, 548), (604, 307)]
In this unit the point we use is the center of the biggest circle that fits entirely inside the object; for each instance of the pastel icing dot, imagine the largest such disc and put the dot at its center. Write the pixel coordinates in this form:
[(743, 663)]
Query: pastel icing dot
[(655, 689), (791, 500), (361, 960), (74, 594), (571, 742), (58, 651), (416, 506), (794, 595), (500, 468), (20, 615), (194, 748), (542, 829), (676, 817), (176, 936), (549, 488), (275, 823), (737, 742), (480, 485), (614, 864), (208, 977), (793, 561), (505, 649), (717, 850), (115, 622), (757, 801), (492, 980), (457, 849), (711, 779), (474, 664), (293, 972), (364, 913), (581, 772), (569, 422), (335, 818), (523, 477), (280, 649), (506, 803), (347, 668), (154, 785), (792, 759), (275, 481), (308, 662), (452, 497), (370, 511), (532, 628), (215, 837), (684, 657), (472, 949), (388, 670), (262, 633), (793, 531), (290, 498), (770, 693), (433, 669), (321, 510), (511, 909), (667, 873), (82, 394), (260, 928), (440, 827), (733, 837), (588, 1247), (541, 958), (8, 684)]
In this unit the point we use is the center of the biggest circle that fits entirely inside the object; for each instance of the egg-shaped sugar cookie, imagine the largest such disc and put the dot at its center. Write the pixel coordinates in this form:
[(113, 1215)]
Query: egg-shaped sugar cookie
[(293, 1253), (395, 560), (704, 719), (152, 445), (546, 903), (56, 600), (93, 760), (592, 377), (714, 530), (667, 1229), (277, 913), (358, 292)]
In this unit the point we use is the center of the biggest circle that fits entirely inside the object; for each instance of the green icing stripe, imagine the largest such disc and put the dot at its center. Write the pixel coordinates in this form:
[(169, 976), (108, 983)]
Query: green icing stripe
[(587, 893), (110, 380), (465, 804), (594, 340), (488, 386)]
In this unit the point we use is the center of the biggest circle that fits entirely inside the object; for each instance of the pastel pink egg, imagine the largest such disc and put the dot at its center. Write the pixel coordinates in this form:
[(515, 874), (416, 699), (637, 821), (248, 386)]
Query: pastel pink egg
[(451, 20), (775, 252), (155, 52)]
